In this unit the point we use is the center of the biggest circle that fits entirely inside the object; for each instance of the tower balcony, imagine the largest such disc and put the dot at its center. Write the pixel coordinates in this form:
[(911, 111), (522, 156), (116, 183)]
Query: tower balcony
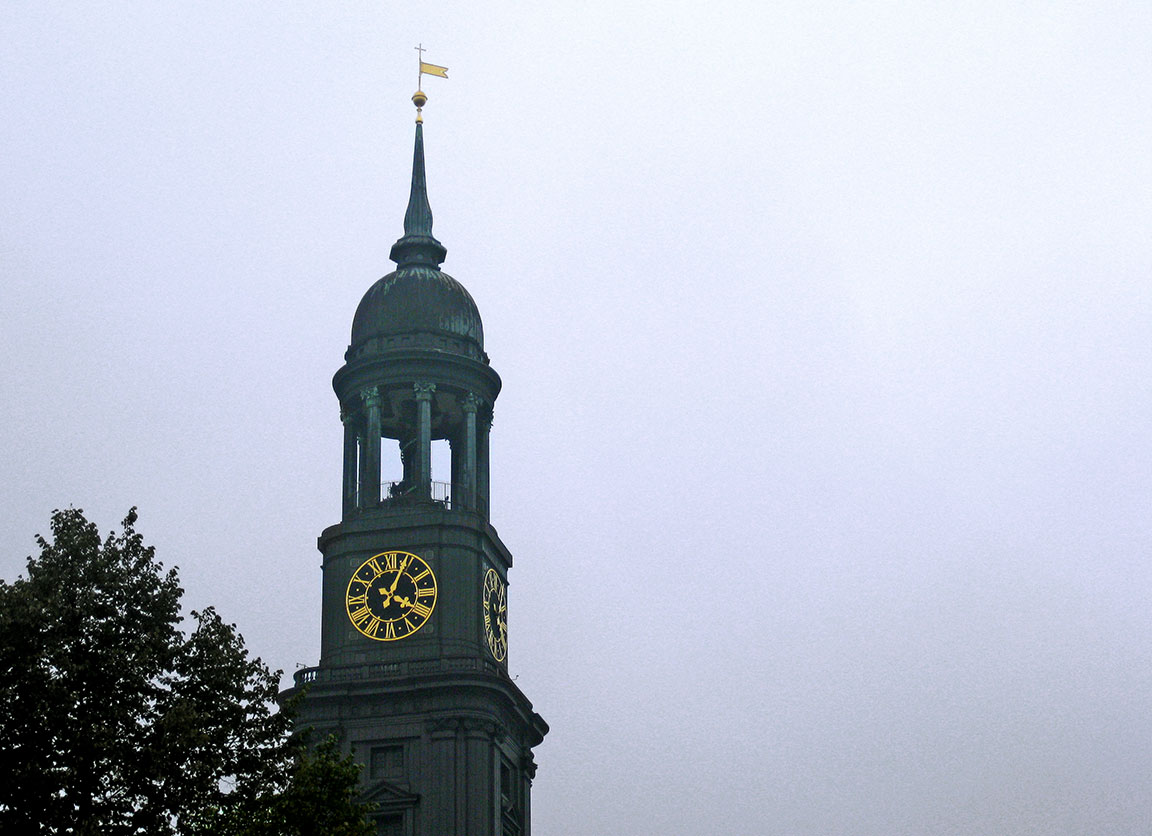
[(404, 493), (352, 673)]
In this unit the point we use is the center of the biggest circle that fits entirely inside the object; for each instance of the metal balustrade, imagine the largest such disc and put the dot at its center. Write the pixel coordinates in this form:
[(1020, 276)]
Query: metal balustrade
[(307, 676), (440, 492), (407, 493)]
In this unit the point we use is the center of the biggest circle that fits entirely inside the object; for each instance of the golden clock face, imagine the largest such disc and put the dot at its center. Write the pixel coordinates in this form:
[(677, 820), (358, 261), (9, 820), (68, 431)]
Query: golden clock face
[(496, 615), (391, 596)]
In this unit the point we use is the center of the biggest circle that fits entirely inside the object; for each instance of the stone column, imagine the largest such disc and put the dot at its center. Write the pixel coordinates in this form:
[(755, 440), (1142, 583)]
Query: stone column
[(447, 774), (407, 444), (456, 445), (351, 452), (483, 428), (529, 766), (424, 392), (370, 454), (469, 404), (482, 790)]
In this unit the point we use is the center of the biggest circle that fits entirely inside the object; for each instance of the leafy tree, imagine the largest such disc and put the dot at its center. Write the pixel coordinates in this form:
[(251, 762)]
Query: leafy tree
[(113, 721), (320, 799)]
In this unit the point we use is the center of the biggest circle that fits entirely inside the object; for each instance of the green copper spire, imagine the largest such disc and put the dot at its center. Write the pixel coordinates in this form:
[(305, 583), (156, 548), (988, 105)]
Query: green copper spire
[(418, 248)]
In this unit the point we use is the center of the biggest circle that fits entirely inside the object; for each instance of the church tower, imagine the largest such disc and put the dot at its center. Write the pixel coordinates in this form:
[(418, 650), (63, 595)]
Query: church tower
[(413, 673)]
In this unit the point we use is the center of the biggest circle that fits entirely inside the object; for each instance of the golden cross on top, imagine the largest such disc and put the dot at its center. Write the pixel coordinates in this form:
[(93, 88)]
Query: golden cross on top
[(420, 51)]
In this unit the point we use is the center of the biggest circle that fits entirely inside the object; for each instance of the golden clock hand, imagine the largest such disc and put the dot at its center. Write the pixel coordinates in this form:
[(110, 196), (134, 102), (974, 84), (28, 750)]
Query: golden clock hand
[(399, 572), (401, 599)]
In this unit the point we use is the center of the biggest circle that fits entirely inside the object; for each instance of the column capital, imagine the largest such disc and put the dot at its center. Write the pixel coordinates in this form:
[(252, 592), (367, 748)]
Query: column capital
[(423, 389), (443, 727), (371, 397), (470, 403), (483, 729)]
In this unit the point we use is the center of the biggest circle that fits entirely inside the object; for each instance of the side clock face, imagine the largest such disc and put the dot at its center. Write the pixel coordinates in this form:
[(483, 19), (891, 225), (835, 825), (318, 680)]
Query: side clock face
[(496, 614), (391, 596)]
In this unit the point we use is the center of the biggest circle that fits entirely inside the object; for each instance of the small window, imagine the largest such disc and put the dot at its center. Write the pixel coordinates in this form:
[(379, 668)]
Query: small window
[(387, 761), (391, 824)]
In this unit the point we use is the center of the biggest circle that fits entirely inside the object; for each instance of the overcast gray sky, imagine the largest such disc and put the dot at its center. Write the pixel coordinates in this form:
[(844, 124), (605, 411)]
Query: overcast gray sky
[(823, 449)]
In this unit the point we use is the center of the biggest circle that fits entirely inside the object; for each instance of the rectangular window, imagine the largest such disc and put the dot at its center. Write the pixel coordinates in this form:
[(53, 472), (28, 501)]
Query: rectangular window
[(509, 791), (387, 761)]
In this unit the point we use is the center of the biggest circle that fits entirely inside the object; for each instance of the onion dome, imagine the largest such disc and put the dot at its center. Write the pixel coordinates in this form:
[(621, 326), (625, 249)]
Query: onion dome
[(417, 305)]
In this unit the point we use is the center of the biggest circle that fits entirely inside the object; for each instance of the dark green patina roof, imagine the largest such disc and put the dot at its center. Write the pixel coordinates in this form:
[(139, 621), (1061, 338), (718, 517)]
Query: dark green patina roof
[(418, 305)]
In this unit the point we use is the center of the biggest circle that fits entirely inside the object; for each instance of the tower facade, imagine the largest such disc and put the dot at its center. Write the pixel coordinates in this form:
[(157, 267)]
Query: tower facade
[(413, 673)]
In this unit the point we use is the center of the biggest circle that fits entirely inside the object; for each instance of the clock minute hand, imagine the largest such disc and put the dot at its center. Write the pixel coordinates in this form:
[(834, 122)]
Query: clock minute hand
[(396, 580)]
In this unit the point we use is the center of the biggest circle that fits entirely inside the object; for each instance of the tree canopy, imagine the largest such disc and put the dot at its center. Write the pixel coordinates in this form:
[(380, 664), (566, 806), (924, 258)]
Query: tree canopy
[(113, 720)]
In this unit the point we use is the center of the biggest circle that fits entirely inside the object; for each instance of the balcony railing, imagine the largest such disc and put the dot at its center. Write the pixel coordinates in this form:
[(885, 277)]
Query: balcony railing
[(350, 673), (403, 492)]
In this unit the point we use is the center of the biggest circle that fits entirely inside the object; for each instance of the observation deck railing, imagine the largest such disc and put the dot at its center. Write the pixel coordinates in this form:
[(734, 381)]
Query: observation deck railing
[(351, 673), (403, 493), (408, 492)]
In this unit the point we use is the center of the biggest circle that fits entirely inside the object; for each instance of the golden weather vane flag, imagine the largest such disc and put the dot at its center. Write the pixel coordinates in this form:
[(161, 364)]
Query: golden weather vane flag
[(425, 69)]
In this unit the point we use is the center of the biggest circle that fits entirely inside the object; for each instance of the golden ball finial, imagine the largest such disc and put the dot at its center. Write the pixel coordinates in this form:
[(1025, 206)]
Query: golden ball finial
[(419, 99)]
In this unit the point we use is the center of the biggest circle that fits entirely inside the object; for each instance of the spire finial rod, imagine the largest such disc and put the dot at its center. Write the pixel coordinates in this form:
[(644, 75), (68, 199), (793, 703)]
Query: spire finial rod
[(418, 248), (418, 98)]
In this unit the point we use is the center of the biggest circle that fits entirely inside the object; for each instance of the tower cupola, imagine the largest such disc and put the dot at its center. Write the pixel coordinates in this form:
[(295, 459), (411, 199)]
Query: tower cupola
[(416, 372)]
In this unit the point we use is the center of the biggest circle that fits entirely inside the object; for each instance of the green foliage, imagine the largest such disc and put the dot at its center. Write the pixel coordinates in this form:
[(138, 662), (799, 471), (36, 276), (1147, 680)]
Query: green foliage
[(320, 799), (112, 721)]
